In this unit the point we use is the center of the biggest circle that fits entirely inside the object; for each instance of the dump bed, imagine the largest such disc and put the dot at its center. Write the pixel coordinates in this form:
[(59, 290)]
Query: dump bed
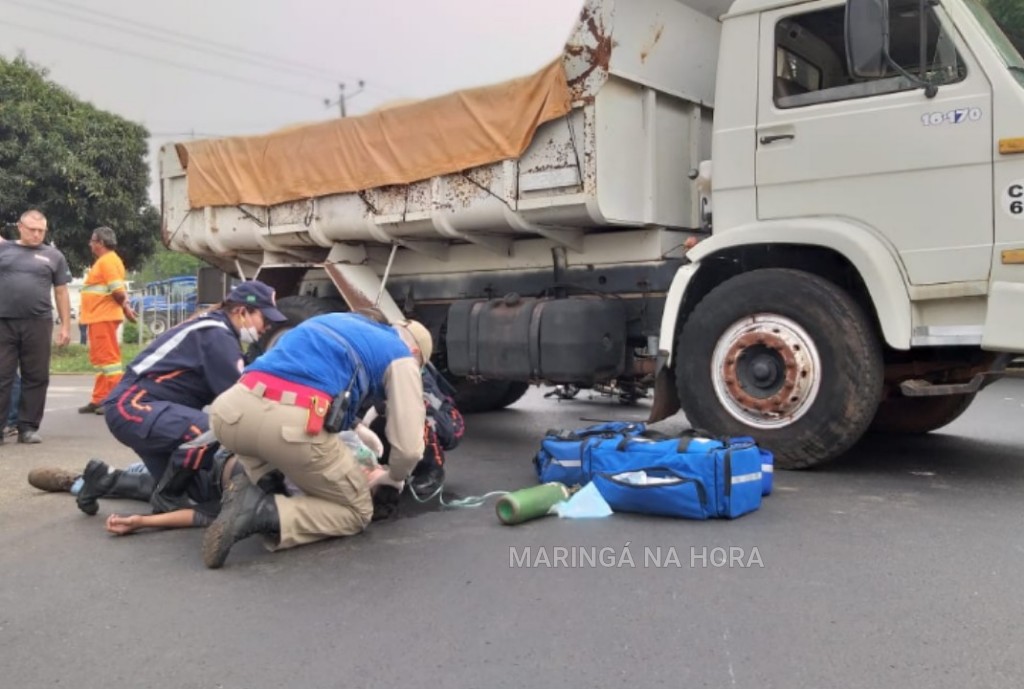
[(603, 137)]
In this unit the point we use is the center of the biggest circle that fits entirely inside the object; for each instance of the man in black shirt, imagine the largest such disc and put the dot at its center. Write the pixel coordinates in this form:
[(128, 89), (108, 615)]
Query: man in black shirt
[(29, 270)]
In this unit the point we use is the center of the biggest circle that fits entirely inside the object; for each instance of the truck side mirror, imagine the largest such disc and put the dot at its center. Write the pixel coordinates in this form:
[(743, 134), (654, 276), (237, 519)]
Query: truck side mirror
[(867, 38)]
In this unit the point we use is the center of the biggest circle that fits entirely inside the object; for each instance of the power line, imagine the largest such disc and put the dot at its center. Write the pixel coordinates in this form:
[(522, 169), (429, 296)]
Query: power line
[(173, 128), (205, 45), (191, 133), (158, 60), (161, 37), (151, 27)]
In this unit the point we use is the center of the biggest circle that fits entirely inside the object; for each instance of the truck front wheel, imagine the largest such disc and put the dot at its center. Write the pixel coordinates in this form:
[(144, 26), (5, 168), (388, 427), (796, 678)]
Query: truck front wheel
[(784, 356)]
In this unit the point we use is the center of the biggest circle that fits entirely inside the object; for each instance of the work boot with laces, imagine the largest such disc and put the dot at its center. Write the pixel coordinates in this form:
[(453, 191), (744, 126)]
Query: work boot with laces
[(52, 479), (245, 510)]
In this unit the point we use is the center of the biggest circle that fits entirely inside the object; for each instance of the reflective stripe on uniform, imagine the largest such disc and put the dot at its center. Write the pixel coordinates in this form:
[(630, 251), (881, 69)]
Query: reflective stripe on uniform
[(109, 370), (108, 288), (96, 289), (169, 346)]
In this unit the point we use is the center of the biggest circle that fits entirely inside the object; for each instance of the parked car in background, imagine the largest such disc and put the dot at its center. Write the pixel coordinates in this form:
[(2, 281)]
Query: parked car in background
[(162, 304)]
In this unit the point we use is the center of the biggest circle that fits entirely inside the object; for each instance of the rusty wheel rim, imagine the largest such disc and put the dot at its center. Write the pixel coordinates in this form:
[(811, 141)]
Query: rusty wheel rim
[(766, 371)]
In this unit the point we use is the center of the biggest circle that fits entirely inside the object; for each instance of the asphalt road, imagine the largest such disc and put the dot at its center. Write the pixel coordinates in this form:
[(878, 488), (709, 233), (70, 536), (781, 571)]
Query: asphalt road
[(895, 567)]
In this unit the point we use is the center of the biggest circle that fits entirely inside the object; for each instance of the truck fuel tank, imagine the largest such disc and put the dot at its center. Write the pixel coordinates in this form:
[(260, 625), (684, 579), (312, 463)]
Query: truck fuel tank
[(579, 340)]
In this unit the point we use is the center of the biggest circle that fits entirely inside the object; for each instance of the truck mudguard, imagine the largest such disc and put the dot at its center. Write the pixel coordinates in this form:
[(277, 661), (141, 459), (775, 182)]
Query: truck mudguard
[(874, 259)]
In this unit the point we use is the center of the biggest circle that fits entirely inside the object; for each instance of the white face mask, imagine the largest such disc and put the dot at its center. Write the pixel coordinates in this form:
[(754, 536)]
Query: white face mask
[(248, 334)]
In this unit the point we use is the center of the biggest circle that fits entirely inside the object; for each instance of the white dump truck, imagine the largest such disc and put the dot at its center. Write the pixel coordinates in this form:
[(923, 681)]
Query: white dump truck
[(794, 219)]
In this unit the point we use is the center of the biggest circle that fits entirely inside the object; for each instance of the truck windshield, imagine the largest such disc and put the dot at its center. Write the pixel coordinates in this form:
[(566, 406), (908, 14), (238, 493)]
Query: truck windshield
[(1003, 21)]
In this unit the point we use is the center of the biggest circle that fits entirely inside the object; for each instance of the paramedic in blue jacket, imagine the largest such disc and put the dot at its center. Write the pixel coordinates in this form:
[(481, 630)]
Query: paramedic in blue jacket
[(157, 408), (274, 419)]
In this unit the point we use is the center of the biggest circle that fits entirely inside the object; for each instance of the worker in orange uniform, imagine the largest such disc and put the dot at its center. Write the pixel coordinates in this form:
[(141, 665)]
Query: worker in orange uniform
[(104, 306)]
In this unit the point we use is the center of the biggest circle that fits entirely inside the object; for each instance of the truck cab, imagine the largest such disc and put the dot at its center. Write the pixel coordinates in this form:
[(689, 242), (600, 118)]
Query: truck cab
[(864, 270)]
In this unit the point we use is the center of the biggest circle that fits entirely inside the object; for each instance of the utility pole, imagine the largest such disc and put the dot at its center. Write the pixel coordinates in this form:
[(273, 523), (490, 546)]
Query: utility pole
[(343, 97)]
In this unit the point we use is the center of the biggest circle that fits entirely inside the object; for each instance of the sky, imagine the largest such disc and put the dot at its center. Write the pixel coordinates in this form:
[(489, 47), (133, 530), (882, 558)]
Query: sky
[(203, 68)]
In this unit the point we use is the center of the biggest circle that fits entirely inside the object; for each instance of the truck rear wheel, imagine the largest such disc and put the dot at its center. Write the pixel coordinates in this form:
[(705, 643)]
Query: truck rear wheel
[(513, 394), (296, 309), (784, 356), (472, 397), (916, 415)]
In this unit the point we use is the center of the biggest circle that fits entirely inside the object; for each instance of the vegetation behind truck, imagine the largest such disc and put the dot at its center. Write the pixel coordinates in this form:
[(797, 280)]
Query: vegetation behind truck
[(797, 221)]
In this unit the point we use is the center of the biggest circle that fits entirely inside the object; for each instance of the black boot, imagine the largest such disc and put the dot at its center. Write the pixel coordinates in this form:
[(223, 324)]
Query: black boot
[(169, 494), (132, 486), (273, 483), (97, 480), (245, 510)]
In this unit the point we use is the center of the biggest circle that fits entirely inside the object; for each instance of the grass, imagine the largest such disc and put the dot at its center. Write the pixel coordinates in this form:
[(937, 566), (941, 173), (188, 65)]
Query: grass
[(75, 357)]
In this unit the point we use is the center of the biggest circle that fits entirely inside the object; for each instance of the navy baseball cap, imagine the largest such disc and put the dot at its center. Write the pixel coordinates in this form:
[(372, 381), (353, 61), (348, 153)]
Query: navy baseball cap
[(258, 295)]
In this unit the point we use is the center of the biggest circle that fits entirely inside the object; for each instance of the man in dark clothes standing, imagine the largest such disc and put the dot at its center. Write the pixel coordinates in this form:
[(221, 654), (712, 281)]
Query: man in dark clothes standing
[(29, 269)]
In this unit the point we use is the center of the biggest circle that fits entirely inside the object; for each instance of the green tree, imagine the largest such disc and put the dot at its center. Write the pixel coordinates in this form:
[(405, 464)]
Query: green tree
[(164, 263), (1010, 15), (81, 166)]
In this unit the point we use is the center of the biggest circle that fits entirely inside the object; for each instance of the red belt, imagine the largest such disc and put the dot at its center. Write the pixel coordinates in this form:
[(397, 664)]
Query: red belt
[(286, 392)]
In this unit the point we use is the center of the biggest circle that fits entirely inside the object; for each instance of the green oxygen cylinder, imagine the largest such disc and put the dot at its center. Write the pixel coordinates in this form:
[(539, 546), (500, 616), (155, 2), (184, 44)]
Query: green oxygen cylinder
[(529, 503)]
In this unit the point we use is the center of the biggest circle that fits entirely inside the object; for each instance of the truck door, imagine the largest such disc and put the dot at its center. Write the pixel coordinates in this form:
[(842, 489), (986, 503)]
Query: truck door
[(917, 170)]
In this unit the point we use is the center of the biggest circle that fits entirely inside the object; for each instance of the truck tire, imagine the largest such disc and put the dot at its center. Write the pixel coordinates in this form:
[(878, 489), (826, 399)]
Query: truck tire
[(513, 394), (918, 415), (786, 357), (297, 309), (472, 397)]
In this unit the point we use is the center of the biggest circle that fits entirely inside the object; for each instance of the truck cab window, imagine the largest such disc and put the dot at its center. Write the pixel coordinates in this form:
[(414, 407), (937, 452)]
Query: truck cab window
[(794, 74), (815, 43)]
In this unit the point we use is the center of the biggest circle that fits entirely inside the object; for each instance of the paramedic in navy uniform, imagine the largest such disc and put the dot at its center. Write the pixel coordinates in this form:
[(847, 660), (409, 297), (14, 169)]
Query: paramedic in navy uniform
[(157, 408)]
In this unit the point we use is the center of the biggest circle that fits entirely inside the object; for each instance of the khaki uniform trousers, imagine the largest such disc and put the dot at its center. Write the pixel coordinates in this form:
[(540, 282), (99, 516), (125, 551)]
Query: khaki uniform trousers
[(267, 435)]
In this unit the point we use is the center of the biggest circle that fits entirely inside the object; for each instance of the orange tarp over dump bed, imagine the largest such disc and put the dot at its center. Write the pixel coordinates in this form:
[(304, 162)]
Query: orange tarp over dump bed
[(396, 146)]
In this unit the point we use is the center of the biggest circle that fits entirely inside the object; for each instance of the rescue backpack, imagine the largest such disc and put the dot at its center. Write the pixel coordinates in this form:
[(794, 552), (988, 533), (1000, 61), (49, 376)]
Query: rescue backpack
[(692, 475)]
